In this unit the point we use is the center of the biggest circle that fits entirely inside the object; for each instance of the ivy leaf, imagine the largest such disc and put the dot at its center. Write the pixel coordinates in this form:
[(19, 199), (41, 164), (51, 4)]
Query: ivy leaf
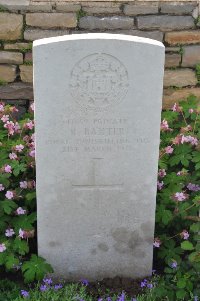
[(20, 246), (186, 245), (35, 268)]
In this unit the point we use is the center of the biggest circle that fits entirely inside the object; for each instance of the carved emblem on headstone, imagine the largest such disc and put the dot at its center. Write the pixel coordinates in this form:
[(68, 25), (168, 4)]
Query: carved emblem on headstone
[(98, 81)]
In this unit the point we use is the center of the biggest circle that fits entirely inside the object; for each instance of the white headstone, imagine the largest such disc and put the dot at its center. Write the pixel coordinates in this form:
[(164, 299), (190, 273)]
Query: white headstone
[(98, 103)]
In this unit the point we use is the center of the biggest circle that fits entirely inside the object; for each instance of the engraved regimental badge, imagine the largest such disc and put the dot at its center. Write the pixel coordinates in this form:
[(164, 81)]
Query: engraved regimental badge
[(99, 81)]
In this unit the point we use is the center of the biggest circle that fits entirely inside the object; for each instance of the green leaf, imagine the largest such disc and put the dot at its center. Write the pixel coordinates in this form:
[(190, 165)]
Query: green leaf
[(186, 245), (166, 216), (181, 283), (35, 269), (194, 257), (180, 294), (11, 261), (8, 206), (20, 246)]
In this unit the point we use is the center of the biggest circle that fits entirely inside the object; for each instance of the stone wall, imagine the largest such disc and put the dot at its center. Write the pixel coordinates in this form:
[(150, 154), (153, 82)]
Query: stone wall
[(176, 24)]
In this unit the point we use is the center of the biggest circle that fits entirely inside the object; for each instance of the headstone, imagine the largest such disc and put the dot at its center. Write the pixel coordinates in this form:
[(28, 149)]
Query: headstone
[(98, 104)]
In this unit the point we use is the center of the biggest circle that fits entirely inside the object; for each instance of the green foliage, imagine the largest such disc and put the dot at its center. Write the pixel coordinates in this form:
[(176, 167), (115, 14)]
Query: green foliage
[(35, 268), (197, 69), (3, 8), (28, 63), (18, 196), (3, 82), (178, 201), (81, 13)]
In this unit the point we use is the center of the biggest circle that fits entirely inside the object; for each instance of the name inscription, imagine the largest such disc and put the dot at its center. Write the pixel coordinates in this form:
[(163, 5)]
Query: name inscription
[(97, 135)]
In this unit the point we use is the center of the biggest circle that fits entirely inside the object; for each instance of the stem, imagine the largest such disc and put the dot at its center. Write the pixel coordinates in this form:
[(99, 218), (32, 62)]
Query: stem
[(195, 123), (173, 236), (184, 117)]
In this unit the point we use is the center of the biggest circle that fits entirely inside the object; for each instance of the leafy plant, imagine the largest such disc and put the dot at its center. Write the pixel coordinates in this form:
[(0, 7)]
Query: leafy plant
[(177, 242), (17, 195)]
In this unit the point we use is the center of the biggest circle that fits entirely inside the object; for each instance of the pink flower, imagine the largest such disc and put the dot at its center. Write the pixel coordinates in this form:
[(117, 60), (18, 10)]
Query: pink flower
[(1, 107), (176, 108), (189, 139), (193, 187), (190, 111), (21, 233), (8, 169), (169, 150), (14, 109), (20, 211), (9, 232), (157, 242), (184, 234), (5, 118), (180, 196), (32, 106), (29, 125), (160, 185), (17, 127), (2, 248), (23, 184), (12, 156), (10, 126), (19, 148), (162, 173), (164, 126), (9, 195), (2, 187), (32, 153)]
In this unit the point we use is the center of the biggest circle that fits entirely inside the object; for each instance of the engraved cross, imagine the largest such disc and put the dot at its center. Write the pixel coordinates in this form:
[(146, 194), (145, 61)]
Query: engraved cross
[(93, 182)]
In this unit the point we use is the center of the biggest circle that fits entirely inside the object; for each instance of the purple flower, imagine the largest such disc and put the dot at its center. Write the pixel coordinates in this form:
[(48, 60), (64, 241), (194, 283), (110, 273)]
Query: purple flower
[(109, 299), (43, 288), (174, 264), (122, 297), (143, 283), (196, 298), (58, 286), (47, 281), (85, 282), (150, 285), (134, 299), (24, 293)]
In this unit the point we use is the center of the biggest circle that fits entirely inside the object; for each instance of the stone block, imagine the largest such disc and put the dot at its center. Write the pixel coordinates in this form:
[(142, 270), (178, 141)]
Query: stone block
[(35, 34), (165, 23), (51, 20), (172, 60), (101, 7), (170, 96), (140, 9), (16, 91), (155, 35), (26, 73), (28, 57), (26, 5), (182, 37), (114, 22), (17, 46), (191, 56), (67, 7), (7, 57), (7, 73), (176, 8), (10, 26), (172, 49), (180, 78)]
